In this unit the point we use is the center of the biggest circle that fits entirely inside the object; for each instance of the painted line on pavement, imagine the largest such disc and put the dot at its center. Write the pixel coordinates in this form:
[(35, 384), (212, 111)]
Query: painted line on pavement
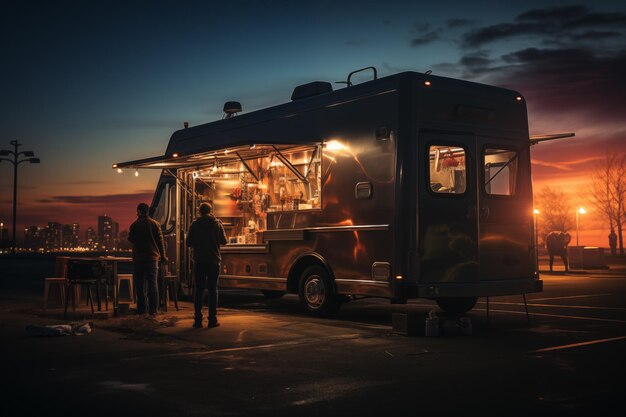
[(575, 345), (554, 305), (571, 296), (552, 315), (245, 348)]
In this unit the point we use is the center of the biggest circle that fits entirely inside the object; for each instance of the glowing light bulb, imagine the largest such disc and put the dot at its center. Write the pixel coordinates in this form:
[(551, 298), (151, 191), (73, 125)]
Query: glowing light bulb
[(536, 211), (136, 173), (119, 170), (582, 210), (334, 145)]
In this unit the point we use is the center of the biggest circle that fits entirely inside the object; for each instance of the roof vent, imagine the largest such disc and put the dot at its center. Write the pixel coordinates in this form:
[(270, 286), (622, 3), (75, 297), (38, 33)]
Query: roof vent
[(231, 108), (311, 89)]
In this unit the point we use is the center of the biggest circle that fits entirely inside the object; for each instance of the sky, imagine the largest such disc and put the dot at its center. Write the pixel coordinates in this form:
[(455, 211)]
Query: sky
[(86, 84)]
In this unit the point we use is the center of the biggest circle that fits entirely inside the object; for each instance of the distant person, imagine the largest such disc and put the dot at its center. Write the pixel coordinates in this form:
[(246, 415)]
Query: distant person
[(148, 246), (205, 236), (556, 243), (613, 242)]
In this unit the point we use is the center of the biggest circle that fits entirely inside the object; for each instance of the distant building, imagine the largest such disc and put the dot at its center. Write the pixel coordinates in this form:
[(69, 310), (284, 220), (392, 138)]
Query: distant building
[(105, 232), (91, 238), (116, 235), (53, 236), (71, 236), (124, 243), (33, 238)]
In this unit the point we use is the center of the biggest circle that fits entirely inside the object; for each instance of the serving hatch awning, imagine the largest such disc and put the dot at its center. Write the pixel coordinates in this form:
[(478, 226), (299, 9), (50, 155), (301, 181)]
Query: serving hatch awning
[(535, 139), (211, 156)]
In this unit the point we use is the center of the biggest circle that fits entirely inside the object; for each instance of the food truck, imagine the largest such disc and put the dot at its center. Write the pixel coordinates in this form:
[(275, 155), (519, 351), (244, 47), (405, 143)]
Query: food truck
[(407, 186)]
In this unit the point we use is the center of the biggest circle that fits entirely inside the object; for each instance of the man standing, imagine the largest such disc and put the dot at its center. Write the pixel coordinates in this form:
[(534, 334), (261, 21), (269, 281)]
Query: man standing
[(613, 242), (206, 234), (148, 246), (556, 243)]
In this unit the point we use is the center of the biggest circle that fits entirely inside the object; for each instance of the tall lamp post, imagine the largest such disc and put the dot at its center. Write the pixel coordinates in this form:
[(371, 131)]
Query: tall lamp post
[(536, 213), (28, 157), (579, 210)]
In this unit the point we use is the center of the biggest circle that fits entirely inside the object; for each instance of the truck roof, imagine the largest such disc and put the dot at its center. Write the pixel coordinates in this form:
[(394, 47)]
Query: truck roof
[(212, 135)]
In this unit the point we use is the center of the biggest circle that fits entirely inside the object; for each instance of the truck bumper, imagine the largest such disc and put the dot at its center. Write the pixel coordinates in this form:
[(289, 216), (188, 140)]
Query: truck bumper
[(477, 289)]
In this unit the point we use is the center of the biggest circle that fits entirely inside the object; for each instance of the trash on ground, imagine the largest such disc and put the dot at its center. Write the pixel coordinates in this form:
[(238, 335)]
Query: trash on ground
[(51, 330)]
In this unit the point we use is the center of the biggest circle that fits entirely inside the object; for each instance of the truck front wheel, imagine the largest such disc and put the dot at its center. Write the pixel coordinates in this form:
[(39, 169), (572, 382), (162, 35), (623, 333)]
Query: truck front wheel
[(457, 305), (317, 292)]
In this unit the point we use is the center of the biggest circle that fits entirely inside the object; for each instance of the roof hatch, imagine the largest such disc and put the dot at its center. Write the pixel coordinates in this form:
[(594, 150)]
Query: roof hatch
[(311, 89)]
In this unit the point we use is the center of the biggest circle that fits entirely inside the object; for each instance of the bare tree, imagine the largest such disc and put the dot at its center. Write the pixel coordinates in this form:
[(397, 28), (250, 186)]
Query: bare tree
[(619, 195), (606, 191), (556, 211)]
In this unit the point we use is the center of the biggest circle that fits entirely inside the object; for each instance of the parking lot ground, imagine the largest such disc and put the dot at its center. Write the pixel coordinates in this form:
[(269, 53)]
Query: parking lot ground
[(269, 358)]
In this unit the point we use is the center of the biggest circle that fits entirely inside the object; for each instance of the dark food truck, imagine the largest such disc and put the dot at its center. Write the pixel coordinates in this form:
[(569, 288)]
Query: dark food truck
[(407, 186)]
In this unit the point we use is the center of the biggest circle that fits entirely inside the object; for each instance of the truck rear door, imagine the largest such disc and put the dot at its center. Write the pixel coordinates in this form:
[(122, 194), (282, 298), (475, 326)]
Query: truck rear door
[(447, 208), (504, 209)]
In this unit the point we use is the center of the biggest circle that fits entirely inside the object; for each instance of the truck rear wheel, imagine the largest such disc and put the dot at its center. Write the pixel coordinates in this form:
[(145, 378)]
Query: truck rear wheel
[(457, 305), (317, 292)]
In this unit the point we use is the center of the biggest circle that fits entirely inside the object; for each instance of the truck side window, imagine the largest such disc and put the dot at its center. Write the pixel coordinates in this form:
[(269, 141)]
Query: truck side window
[(447, 171), (500, 167)]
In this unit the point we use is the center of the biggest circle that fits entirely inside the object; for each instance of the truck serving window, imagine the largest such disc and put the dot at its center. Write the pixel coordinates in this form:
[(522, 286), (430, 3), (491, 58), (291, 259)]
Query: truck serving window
[(244, 185), (447, 172), (500, 168)]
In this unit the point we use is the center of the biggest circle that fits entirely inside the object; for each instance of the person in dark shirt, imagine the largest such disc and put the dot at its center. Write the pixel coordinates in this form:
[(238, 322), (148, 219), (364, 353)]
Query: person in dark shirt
[(148, 246), (205, 236), (556, 243)]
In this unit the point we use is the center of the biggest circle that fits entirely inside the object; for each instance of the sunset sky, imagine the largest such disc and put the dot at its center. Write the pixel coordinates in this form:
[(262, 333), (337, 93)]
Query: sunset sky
[(86, 84)]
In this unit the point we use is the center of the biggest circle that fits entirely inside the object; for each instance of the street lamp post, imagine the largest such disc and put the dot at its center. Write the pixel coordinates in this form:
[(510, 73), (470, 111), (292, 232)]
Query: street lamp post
[(29, 155), (579, 210), (536, 213)]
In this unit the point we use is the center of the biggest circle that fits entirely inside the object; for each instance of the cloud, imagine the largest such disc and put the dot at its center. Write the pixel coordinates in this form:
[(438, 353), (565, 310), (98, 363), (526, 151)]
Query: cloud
[(568, 80), (580, 74), (565, 13), (594, 35), (476, 61), (566, 165), (425, 39), (83, 209), (552, 24), (479, 37), (86, 182), (457, 23), (107, 199)]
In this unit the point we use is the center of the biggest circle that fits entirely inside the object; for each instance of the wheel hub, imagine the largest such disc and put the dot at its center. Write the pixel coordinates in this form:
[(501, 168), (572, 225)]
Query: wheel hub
[(314, 291)]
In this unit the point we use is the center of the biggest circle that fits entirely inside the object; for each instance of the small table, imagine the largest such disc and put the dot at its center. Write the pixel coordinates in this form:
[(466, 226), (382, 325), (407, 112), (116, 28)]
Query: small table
[(61, 268)]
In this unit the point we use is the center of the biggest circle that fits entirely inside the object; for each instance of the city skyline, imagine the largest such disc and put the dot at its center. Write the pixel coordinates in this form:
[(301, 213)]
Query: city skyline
[(57, 236)]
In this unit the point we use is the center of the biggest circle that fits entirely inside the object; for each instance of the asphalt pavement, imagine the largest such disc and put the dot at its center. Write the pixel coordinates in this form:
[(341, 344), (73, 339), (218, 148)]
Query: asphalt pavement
[(269, 358)]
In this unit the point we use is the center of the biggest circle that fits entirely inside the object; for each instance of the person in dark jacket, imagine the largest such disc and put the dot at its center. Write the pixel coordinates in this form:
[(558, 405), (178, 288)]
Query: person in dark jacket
[(556, 243), (205, 236), (148, 246)]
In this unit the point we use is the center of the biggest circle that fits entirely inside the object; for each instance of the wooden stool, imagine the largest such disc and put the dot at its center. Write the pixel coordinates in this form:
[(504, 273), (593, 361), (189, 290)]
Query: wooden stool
[(125, 280), (169, 291), (61, 283)]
